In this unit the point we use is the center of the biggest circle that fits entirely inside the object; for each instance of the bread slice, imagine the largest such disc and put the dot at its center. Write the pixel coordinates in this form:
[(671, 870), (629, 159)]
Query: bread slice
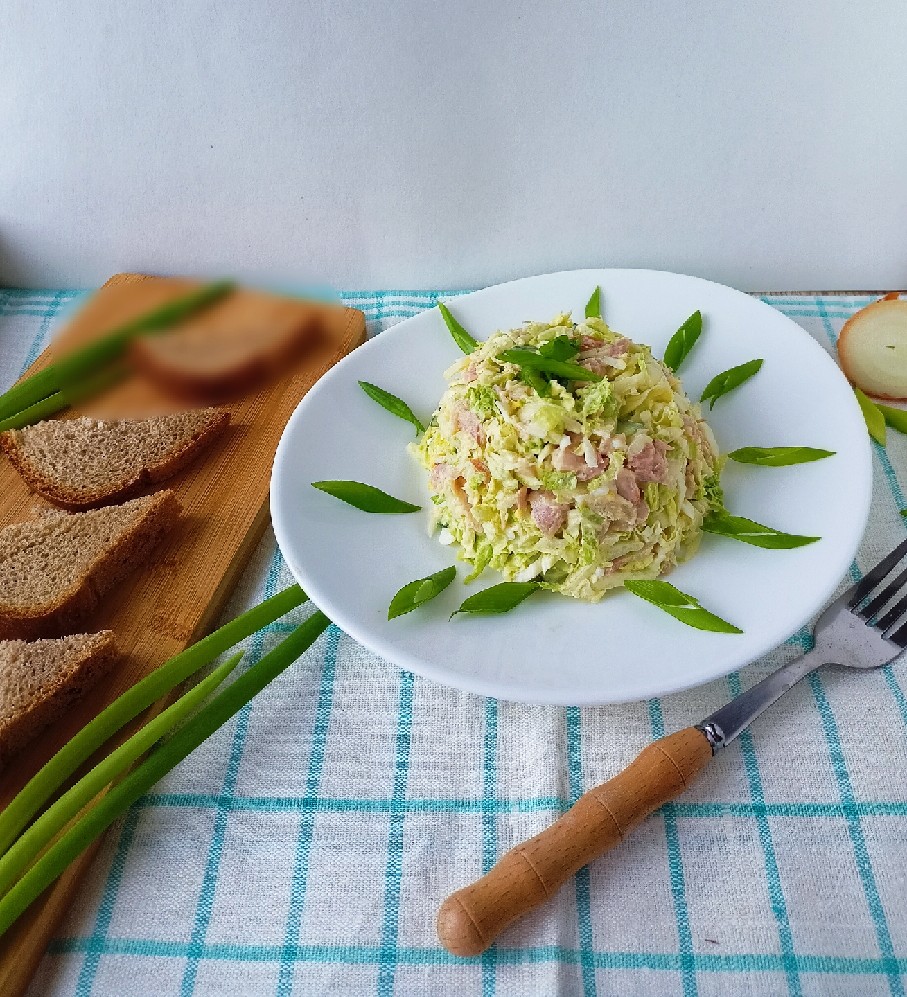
[(253, 336), (872, 348), (55, 569), (38, 681), (81, 463)]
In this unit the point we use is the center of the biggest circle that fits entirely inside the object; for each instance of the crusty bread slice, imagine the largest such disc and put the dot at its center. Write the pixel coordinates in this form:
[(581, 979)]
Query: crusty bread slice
[(872, 348), (222, 353), (81, 463), (38, 681), (55, 569)]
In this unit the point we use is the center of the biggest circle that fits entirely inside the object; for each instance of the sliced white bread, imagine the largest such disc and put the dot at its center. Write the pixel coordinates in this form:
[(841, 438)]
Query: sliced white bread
[(39, 681), (82, 463), (54, 570)]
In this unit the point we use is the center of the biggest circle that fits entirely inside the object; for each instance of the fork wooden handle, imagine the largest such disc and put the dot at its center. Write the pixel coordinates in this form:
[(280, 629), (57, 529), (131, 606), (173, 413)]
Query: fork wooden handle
[(526, 876)]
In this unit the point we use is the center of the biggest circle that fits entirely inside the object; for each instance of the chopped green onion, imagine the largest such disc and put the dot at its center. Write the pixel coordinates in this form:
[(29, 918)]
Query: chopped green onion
[(560, 348), (63, 398), (558, 368), (497, 599), (778, 456), (594, 304), (422, 590), (873, 415), (58, 769), (683, 341), (727, 380), (396, 406), (43, 409), (738, 528), (460, 336), (536, 380), (894, 417), (86, 361), (47, 826), (365, 497), (118, 800), (680, 605)]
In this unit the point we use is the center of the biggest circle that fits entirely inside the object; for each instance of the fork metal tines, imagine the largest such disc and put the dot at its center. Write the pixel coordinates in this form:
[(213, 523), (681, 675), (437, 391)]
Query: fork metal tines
[(869, 583)]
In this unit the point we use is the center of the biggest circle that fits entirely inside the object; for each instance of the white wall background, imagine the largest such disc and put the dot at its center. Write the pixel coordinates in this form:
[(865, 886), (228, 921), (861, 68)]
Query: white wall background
[(413, 144)]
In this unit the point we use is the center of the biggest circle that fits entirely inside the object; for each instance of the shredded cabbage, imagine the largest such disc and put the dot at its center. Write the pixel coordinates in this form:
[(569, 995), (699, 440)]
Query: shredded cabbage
[(581, 487)]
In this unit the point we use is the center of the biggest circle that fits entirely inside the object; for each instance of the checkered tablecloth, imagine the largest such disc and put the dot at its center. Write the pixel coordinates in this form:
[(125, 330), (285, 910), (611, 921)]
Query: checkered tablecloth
[(305, 848)]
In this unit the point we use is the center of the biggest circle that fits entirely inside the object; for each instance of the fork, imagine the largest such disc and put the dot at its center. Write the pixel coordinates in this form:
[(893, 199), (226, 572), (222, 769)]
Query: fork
[(850, 632)]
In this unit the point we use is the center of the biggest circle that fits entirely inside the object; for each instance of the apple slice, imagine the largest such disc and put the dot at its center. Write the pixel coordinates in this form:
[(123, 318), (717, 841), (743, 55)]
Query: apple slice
[(872, 348)]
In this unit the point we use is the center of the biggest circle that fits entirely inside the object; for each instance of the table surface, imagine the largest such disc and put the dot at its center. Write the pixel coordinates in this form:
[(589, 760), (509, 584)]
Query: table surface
[(306, 847)]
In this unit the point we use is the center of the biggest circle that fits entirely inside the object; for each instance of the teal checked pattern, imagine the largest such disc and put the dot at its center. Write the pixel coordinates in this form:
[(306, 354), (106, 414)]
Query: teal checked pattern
[(306, 847)]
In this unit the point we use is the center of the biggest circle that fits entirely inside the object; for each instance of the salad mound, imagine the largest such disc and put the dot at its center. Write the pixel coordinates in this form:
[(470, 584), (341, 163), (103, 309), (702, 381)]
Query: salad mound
[(577, 484)]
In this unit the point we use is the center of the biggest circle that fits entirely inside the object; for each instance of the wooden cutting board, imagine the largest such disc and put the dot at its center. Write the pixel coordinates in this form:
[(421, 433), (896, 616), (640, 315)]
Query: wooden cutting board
[(178, 596)]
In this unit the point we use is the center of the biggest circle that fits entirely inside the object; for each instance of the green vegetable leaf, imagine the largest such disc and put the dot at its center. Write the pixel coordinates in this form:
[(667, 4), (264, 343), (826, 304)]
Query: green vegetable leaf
[(396, 406), (20, 856), (37, 412), (68, 371), (727, 380), (594, 304), (483, 558), (536, 380), (460, 336), (364, 497), (498, 599), (895, 417), (904, 512), (71, 394), (19, 812), (778, 456), (683, 341), (875, 419), (560, 348), (108, 808), (725, 525), (557, 368), (419, 592), (681, 606)]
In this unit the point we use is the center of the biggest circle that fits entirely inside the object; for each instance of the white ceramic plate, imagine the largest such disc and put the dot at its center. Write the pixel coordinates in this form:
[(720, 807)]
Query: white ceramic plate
[(553, 649)]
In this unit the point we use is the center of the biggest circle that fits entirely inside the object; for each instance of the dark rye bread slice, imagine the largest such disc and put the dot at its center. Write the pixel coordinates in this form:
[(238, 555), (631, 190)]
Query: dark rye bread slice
[(55, 569), (39, 680), (82, 463)]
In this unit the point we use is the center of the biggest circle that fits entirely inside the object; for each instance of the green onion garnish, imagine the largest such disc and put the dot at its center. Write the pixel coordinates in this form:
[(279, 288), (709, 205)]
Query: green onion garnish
[(85, 362), (58, 769), (114, 804)]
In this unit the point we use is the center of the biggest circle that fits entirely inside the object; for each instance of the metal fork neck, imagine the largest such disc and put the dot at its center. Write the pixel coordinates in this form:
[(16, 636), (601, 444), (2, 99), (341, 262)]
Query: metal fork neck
[(722, 726), (713, 734)]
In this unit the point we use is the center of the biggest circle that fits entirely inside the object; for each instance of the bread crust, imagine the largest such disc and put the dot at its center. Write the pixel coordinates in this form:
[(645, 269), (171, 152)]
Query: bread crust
[(17, 731), (65, 496), (73, 604)]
